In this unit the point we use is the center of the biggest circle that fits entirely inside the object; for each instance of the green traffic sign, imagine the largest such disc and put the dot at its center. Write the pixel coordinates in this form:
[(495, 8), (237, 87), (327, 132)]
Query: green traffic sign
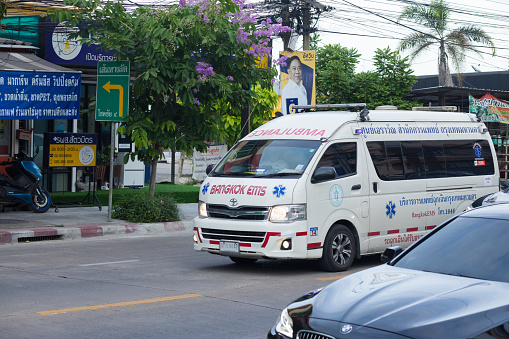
[(112, 90)]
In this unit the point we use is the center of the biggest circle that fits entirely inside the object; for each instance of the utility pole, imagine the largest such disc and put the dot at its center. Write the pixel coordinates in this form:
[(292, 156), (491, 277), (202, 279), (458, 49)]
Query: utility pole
[(306, 20), (285, 15)]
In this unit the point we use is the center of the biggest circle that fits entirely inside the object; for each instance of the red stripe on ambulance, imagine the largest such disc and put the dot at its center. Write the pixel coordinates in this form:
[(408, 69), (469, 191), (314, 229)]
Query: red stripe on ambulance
[(268, 235), (198, 233), (314, 244)]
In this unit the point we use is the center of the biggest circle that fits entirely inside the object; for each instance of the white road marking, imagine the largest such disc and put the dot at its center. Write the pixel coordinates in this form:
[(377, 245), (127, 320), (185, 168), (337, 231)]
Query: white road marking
[(109, 263)]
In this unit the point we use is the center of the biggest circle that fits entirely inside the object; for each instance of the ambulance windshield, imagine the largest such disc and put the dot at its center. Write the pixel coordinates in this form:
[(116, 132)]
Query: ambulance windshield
[(267, 158)]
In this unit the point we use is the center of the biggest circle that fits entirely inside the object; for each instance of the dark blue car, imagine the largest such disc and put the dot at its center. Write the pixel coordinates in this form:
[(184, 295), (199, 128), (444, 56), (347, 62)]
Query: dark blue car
[(452, 283)]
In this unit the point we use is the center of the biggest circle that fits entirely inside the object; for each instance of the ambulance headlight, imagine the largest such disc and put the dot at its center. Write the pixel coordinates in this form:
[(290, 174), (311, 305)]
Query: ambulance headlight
[(202, 209), (287, 213)]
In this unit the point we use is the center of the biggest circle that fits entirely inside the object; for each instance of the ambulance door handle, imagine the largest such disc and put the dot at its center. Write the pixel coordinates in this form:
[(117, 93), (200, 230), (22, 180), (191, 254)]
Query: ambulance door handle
[(375, 187), (356, 187)]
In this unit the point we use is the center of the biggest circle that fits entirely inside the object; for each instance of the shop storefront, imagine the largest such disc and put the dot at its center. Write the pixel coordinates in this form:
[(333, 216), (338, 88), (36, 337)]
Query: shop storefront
[(47, 43), (33, 92)]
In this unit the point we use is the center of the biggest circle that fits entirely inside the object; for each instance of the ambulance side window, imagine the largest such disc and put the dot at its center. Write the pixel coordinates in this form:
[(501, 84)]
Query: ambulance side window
[(341, 156), (407, 160)]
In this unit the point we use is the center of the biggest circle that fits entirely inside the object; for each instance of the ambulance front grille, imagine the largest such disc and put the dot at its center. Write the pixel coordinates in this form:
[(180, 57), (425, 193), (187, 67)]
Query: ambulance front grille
[(244, 236), (244, 212)]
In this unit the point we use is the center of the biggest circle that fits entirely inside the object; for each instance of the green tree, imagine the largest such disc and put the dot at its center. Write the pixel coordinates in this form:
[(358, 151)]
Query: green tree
[(337, 81), (185, 59), (451, 43), (334, 73), (260, 112), (3, 9), (395, 79)]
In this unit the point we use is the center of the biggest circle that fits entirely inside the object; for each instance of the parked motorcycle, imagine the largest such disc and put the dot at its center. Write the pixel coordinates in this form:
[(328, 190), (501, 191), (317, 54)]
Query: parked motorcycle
[(23, 184)]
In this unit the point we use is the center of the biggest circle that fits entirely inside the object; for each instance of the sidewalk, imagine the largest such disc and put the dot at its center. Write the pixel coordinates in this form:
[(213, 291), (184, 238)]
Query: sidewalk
[(81, 222)]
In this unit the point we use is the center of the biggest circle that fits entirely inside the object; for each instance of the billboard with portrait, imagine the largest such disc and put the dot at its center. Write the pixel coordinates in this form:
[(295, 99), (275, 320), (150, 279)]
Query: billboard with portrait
[(297, 80)]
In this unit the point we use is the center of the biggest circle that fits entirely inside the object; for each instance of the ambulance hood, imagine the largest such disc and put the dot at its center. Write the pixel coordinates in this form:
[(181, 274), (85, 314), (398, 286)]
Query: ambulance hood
[(237, 192)]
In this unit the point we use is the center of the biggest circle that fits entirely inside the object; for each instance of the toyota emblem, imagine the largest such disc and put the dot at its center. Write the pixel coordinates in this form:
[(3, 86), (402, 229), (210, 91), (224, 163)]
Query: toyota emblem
[(233, 202), (346, 329)]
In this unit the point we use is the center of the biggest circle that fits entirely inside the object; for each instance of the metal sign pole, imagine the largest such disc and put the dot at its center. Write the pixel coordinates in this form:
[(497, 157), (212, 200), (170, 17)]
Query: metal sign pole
[(112, 151)]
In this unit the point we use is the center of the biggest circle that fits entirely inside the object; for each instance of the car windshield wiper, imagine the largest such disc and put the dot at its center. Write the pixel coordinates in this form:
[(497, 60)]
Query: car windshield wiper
[(284, 174), (454, 274), (465, 276), (239, 174)]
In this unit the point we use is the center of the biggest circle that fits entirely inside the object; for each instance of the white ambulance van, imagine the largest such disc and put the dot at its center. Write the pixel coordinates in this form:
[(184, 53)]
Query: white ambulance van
[(335, 185)]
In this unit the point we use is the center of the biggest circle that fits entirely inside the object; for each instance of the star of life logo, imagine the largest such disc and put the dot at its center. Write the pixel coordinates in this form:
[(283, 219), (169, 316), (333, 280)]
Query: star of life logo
[(477, 150), (279, 191), (391, 209), (205, 188)]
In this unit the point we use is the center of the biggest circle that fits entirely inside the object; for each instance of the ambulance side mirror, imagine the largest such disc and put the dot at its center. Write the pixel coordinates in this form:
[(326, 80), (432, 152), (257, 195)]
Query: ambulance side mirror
[(323, 174), (209, 169)]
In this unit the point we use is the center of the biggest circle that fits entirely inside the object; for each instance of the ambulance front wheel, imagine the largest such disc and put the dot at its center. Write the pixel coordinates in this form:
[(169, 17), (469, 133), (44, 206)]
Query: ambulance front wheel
[(338, 249), (243, 261)]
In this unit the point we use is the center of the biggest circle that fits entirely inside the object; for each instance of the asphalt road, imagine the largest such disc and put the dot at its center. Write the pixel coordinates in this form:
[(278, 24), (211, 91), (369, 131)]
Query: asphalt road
[(145, 287)]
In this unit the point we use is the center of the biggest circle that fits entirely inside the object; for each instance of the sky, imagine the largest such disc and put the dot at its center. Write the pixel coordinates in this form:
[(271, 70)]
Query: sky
[(370, 24)]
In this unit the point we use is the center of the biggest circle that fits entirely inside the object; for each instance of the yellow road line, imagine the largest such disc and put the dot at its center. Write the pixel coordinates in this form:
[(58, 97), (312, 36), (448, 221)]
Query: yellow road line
[(333, 278), (127, 303)]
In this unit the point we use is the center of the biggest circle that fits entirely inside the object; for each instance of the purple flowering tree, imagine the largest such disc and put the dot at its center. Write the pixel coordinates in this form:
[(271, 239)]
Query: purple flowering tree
[(189, 59)]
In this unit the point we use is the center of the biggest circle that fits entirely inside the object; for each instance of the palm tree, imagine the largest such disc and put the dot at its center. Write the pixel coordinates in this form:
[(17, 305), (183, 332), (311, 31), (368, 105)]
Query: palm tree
[(451, 43)]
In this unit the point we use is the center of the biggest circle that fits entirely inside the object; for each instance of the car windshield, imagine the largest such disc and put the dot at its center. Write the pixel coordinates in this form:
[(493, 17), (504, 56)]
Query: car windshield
[(267, 158), (470, 247)]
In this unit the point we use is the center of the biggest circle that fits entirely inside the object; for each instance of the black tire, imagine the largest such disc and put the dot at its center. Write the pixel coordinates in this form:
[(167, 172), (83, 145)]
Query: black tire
[(243, 261), (338, 249), (41, 203)]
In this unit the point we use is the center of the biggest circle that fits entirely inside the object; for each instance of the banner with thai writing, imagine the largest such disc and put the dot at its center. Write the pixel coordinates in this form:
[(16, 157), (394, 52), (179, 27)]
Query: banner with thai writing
[(492, 108), (201, 160), (40, 95)]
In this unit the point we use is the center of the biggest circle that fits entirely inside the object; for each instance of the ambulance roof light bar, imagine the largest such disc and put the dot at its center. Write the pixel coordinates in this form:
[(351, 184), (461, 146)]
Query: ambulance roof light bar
[(306, 108)]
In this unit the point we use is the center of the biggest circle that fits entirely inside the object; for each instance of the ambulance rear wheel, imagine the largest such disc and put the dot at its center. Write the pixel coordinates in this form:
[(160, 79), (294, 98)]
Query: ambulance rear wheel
[(338, 249), (243, 261)]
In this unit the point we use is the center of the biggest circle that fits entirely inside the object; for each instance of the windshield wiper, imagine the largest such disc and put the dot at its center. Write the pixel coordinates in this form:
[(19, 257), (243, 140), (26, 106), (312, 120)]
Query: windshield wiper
[(284, 174), (465, 276), (239, 174), (454, 274)]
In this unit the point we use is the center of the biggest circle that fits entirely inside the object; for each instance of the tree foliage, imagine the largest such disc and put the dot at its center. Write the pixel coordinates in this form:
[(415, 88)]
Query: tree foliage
[(337, 82), (260, 112), (335, 71), (451, 43), (185, 59)]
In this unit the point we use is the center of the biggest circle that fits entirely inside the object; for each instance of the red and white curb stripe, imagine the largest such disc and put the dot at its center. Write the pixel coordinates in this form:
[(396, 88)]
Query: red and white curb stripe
[(96, 230)]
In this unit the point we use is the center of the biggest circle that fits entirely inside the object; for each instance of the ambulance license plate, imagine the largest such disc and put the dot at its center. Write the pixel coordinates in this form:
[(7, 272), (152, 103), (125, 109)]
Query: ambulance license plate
[(228, 247)]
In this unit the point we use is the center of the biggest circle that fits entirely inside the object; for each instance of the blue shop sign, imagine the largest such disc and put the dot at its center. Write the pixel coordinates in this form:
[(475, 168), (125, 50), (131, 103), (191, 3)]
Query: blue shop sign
[(40, 95), (62, 50)]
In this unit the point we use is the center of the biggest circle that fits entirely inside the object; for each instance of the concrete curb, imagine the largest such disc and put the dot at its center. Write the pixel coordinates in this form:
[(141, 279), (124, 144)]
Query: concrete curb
[(93, 230)]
